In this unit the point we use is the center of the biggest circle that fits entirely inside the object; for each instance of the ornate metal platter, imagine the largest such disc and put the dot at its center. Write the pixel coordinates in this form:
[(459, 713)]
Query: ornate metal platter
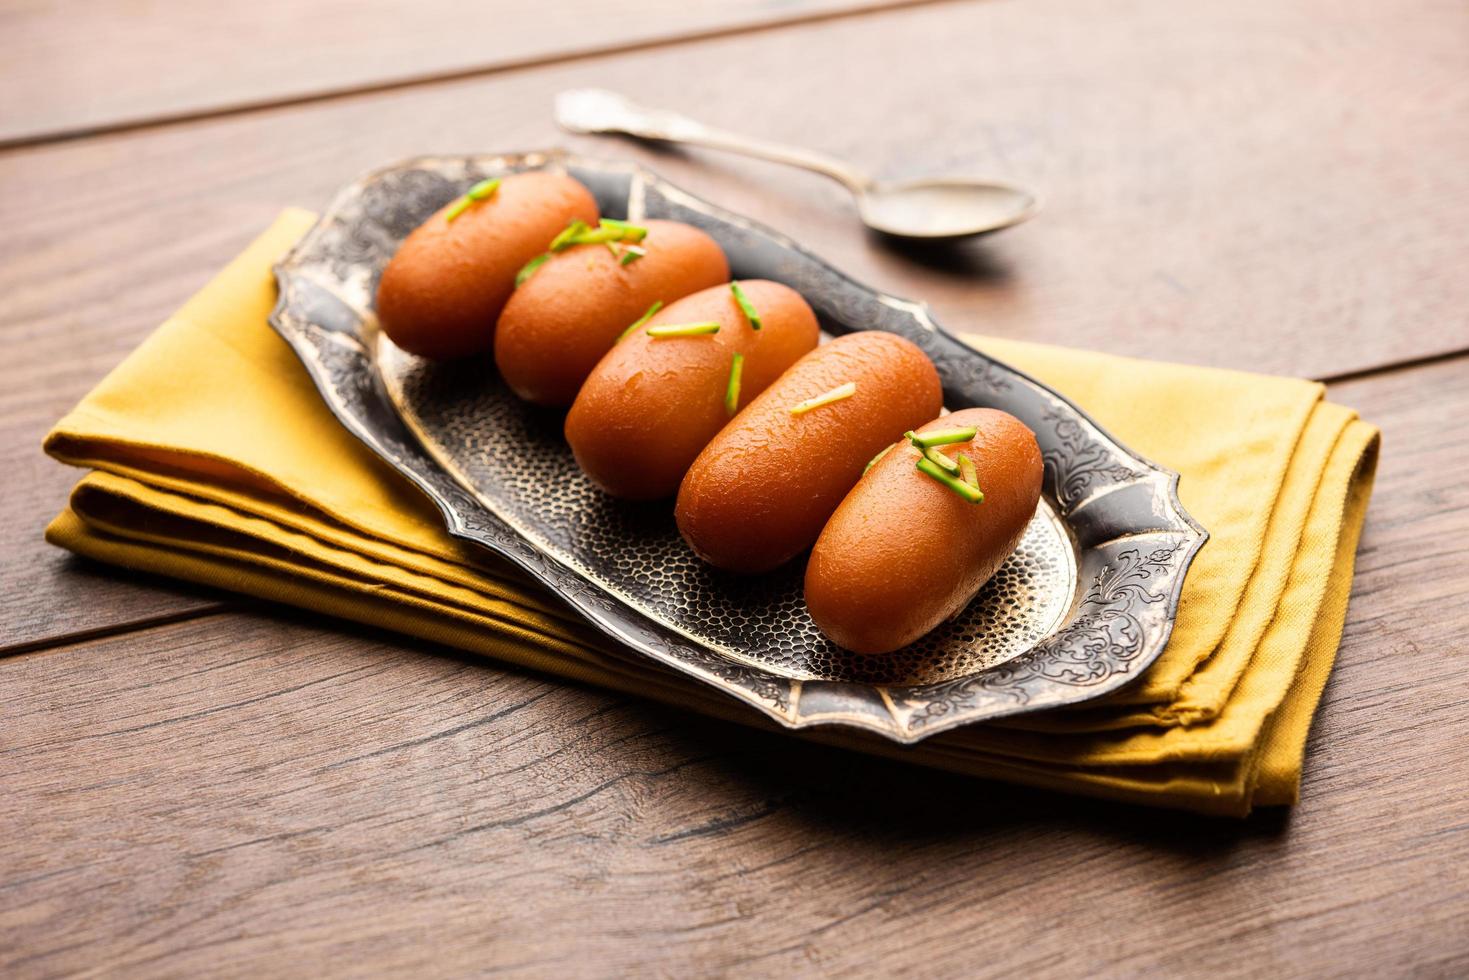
[(1084, 605)]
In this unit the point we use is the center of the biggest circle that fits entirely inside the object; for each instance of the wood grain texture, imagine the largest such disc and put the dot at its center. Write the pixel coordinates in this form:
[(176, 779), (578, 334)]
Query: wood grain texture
[(258, 794), (120, 63), (1258, 185)]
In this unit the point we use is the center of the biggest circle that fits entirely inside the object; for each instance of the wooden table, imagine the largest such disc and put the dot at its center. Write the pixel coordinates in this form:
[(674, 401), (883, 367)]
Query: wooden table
[(192, 783)]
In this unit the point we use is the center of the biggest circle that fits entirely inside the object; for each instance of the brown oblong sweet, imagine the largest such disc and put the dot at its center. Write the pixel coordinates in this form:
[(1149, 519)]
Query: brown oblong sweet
[(653, 403), (903, 552), (761, 491), (562, 319), (441, 294)]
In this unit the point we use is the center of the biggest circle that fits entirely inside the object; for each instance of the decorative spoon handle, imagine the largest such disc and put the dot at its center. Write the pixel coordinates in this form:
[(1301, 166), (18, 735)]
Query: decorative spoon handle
[(594, 110)]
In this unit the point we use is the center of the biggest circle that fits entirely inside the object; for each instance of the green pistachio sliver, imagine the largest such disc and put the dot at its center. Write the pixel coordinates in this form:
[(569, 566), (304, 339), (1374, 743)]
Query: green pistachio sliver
[(684, 329), (460, 206), (595, 236), (928, 468), (483, 189), (943, 461), (943, 437), (529, 269), (967, 472), (876, 459), (478, 192), (732, 387), (826, 398), (626, 232), (565, 239), (657, 305), (607, 231), (746, 306)]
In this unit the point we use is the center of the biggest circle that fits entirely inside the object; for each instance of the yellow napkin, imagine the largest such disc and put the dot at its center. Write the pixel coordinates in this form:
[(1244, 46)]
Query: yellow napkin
[(214, 460)]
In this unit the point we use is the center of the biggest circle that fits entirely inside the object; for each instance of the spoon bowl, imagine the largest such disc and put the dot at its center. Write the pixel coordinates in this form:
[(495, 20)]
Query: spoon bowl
[(944, 208), (929, 210)]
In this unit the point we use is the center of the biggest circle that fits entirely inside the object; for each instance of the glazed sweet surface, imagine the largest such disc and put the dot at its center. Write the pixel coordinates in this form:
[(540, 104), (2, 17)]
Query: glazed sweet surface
[(653, 403), (561, 320), (442, 292), (903, 552), (761, 491)]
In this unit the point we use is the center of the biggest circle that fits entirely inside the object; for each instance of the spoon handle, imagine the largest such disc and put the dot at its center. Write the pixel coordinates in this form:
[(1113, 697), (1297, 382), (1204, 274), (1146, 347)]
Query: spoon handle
[(593, 110)]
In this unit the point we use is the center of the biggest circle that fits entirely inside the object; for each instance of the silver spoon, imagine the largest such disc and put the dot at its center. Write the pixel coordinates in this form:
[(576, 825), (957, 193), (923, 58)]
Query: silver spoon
[(931, 209)]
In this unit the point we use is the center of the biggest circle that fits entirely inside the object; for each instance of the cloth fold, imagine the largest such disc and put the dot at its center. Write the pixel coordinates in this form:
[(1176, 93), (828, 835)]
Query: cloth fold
[(214, 460)]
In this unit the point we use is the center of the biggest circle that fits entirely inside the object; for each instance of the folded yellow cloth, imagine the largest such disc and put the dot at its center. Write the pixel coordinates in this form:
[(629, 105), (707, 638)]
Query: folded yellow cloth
[(216, 461)]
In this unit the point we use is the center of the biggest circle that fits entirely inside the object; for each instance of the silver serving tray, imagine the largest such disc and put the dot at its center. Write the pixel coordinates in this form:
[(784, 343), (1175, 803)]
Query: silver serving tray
[(1085, 604)]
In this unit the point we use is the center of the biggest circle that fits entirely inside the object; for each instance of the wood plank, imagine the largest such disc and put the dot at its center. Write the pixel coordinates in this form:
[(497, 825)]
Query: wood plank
[(60, 70), (258, 794)]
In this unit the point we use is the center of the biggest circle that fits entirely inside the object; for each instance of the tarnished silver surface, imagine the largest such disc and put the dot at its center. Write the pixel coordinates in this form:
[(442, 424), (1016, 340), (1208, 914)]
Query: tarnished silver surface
[(1086, 602), (515, 461)]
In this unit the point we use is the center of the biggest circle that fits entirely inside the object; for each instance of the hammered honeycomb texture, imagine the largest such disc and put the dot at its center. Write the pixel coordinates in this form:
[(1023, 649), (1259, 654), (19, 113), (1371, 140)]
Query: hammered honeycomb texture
[(515, 460)]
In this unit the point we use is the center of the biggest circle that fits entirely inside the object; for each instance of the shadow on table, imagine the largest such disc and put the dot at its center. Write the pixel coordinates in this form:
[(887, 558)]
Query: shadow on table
[(837, 791), (879, 803), (747, 775), (975, 260)]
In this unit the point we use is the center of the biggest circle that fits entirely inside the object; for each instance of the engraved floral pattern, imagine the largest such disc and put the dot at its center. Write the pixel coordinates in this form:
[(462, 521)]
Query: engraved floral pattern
[(1077, 463), (962, 369), (1102, 643)]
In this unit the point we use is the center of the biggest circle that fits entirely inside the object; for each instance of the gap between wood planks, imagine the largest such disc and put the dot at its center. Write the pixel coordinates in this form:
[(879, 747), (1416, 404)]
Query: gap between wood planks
[(118, 629), (234, 604), (1406, 364), (424, 79)]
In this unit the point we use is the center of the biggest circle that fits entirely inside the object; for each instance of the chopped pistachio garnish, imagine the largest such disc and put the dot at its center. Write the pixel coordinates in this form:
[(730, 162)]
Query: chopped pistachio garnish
[(750, 312), (483, 189), (629, 233), (529, 269), (460, 206), (942, 437), (835, 395), (480, 191), (945, 462), (657, 305), (683, 329), (732, 387), (603, 235), (607, 231), (928, 468), (874, 460), (967, 471), (564, 240)]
